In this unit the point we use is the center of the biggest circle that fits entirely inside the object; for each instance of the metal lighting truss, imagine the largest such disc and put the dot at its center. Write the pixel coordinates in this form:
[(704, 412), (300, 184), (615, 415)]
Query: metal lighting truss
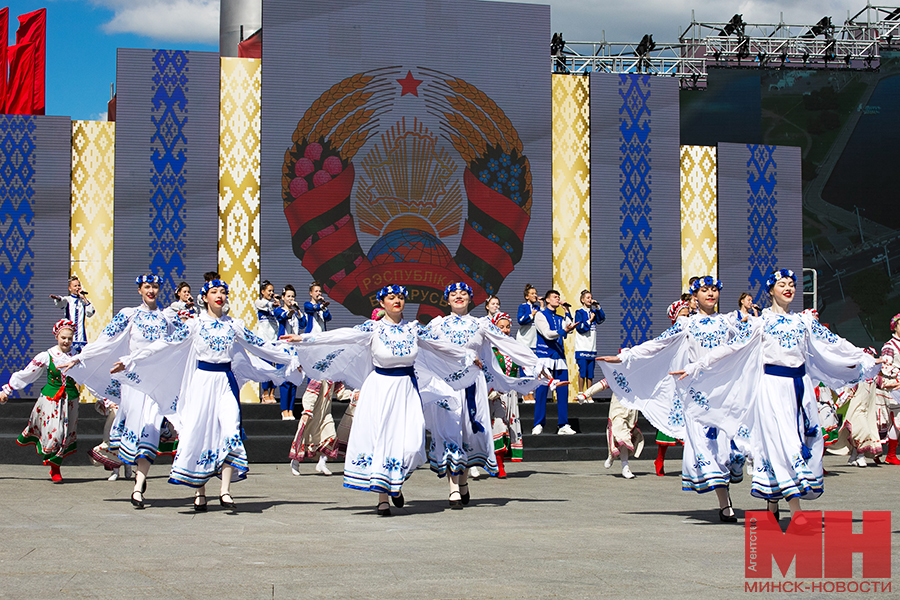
[(856, 44)]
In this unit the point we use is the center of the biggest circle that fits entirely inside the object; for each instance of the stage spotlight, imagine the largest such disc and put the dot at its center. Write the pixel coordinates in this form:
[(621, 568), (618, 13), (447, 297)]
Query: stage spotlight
[(847, 60), (743, 49), (646, 45), (556, 44), (717, 55), (762, 58), (824, 26), (869, 61), (784, 58), (735, 25), (805, 57)]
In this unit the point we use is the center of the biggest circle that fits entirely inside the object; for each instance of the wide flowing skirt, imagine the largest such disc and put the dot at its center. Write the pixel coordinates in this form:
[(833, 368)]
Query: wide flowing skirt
[(387, 441), (209, 431), (779, 468), (317, 435), (709, 460), (455, 446), (507, 427), (138, 430), (51, 428)]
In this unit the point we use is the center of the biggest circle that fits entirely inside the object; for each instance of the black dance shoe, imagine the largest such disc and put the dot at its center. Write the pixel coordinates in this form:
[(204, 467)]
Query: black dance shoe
[(200, 506), (138, 502), (465, 498), (398, 500), (227, 503), (384, 512), (456, 504)]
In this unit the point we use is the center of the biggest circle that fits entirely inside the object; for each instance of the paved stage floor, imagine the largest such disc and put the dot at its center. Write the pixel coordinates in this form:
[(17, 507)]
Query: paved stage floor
[(552, 530)]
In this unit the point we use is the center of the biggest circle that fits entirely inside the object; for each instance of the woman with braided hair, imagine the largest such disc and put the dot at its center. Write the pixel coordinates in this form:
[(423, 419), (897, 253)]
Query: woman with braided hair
[(758, 387), (195, 375), (51, 427), (138, 434), (381, 358)]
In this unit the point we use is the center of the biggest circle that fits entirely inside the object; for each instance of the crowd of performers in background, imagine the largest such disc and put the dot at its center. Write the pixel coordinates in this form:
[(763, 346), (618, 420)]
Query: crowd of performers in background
[(749, 388)]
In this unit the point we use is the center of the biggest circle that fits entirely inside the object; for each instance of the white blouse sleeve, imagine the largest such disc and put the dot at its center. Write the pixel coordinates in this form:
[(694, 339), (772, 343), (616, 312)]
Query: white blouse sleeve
[(833, 360), (34, 372)]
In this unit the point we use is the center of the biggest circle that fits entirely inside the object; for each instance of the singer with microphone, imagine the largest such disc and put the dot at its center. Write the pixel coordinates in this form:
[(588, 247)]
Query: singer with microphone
[(291, 321), (77, 307), (586, 320), (551, 331)]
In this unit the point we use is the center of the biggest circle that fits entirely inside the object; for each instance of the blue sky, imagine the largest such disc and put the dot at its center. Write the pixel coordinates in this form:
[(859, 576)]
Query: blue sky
[(82, 35)]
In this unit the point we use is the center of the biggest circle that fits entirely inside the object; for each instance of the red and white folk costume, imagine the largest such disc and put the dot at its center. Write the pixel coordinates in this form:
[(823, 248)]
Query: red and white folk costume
[(51, 426), (890, 373)]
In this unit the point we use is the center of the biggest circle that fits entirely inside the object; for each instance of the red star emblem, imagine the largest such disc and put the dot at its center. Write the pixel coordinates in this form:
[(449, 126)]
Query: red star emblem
[(410, 85)]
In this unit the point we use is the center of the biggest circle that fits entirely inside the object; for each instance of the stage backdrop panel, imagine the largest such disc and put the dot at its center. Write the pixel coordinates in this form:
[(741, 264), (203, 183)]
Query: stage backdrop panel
[(571, 194), (760, 216), (699, 219), (239, 129), (167, 169), (34, 260), (635, 205), (405, 160)]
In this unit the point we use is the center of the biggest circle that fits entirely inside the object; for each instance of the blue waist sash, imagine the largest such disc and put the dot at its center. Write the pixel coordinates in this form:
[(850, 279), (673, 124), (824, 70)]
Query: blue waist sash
[(470, 408), (232, 383), (803, 427), (400, 372)]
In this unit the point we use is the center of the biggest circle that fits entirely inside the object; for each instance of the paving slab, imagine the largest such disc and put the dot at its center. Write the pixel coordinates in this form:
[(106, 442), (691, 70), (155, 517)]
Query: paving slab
[(551, 530)]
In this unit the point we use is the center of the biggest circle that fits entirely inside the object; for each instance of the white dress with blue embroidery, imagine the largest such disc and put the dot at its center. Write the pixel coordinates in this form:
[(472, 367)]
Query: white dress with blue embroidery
[(642, 382), (455, 446), (205, 410), (732, 391), (136, 431), (387, 441)]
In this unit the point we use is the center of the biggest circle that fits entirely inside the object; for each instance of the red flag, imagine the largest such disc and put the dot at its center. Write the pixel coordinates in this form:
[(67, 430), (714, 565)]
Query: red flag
[(252, 46), (4, 35), (20, 99), (33, 30)]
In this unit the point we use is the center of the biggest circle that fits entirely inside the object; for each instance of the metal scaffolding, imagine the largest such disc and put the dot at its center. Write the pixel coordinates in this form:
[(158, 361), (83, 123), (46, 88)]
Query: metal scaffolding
[(857, 44)]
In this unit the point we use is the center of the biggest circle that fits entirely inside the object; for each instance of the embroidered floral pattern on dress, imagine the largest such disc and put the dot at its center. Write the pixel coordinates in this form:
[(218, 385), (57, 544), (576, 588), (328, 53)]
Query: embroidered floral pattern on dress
[(114, 389), (392, 464), (676, 415), (217, 335), (368, 326), (743, 334), (362, 460), (133, 377), (699, 398), (822, 333), (151, 326), (743, 431), (207, 458), (458, 330), (673, 330), (788, 331), (709, 332), (325, 363), (455, 376), (398, 339), (622, 382), (252, 338), (701, 462), (443, 404), (117, 325), (424, 332)]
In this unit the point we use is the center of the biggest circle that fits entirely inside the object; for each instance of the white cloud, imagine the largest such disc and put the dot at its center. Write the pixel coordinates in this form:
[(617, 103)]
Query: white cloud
[(194, 21)]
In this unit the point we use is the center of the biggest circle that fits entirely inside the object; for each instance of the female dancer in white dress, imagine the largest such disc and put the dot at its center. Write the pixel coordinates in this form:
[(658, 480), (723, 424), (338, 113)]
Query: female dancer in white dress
[(709, 462), (195, 375), (387, 441), (759, 387), (135, 434), (460, 421)]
